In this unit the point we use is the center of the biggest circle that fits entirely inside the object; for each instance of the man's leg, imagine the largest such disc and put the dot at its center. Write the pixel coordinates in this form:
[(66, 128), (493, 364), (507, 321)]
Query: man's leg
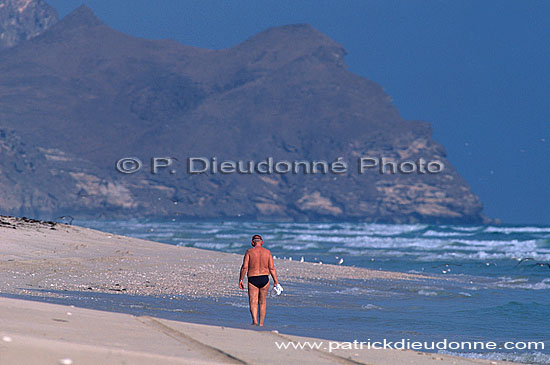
[(263, 302), (253, 302)]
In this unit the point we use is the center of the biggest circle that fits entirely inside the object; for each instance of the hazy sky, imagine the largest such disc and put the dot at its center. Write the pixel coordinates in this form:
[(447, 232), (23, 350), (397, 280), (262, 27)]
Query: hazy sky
[(478, 71)]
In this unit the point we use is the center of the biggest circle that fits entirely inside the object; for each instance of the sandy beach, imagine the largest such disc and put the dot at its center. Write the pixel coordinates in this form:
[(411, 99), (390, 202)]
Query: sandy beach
[(38, 255)]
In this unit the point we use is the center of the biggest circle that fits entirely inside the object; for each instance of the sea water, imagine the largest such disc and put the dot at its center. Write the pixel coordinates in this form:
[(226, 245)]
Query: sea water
[(490, 283)]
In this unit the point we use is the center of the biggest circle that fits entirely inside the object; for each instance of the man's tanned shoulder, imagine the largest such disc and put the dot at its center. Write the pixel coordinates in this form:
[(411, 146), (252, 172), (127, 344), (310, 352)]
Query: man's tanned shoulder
[(258, 249)]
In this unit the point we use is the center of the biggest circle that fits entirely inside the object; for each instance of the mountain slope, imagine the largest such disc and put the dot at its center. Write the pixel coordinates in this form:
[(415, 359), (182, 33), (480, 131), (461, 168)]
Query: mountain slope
[(91, 92), (23, 19)]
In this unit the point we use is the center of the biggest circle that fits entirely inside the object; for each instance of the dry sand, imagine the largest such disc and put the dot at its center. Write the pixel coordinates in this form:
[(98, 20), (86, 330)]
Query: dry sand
[(36, 255)]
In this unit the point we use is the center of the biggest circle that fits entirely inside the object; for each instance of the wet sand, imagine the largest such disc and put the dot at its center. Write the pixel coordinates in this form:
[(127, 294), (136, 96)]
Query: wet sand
[(41, 255)]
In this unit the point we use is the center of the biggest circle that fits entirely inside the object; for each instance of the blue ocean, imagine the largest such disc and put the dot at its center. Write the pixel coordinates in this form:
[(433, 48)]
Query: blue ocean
[(492, 283)]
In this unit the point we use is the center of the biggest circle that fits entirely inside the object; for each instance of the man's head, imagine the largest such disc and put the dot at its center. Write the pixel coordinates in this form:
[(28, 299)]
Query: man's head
[(257, 240)]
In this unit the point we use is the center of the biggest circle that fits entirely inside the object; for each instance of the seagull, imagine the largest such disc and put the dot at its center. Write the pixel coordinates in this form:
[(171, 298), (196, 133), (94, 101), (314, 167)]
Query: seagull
[(520, 260), (302, 259), (341, 261), (447, 265), (541, 264)]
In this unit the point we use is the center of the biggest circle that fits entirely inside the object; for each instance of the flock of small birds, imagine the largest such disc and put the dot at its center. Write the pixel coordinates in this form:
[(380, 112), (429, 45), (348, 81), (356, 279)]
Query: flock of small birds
[(526, 259), (445, 267), (339, 260)]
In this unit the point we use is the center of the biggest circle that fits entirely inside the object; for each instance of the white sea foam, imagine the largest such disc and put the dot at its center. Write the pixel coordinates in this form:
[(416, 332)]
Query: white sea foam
[(521, 283), (464, 228), (370, 307), (393, 229), (431, 233), (480, 256), (352, 229), (427, 293), (341, 249), (159, 235), (395, 242), (317, 238), (439, 249), (508, 230), (232, 235), (535, 357), (304, 246), (411, 241), (212, 245), (355, 291)]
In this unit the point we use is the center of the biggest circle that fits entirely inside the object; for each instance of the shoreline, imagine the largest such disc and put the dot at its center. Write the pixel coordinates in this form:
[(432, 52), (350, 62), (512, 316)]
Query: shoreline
[(83, 259), (37, 333), (38, 255)]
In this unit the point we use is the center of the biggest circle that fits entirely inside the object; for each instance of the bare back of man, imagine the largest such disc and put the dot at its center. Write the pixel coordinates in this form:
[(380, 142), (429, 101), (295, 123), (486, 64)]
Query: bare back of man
[(257, 265)]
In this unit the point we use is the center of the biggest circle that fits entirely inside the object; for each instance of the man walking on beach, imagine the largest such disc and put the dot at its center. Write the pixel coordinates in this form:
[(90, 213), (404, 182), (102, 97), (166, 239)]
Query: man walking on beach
[(258, 263)]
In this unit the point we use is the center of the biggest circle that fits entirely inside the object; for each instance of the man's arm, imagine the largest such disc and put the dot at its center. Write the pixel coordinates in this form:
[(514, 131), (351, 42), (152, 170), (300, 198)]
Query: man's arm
[(244, 269), (272, 270)]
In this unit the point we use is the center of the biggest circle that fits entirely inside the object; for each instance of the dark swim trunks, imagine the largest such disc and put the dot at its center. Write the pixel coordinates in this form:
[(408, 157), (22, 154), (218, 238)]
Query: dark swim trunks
[(259, 281)]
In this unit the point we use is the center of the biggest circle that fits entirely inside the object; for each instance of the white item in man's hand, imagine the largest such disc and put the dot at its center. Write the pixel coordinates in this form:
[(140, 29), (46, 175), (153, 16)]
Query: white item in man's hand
[(277, 289)]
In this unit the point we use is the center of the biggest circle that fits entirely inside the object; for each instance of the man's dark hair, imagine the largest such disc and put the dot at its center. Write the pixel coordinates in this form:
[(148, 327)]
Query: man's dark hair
[(256, 236)]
